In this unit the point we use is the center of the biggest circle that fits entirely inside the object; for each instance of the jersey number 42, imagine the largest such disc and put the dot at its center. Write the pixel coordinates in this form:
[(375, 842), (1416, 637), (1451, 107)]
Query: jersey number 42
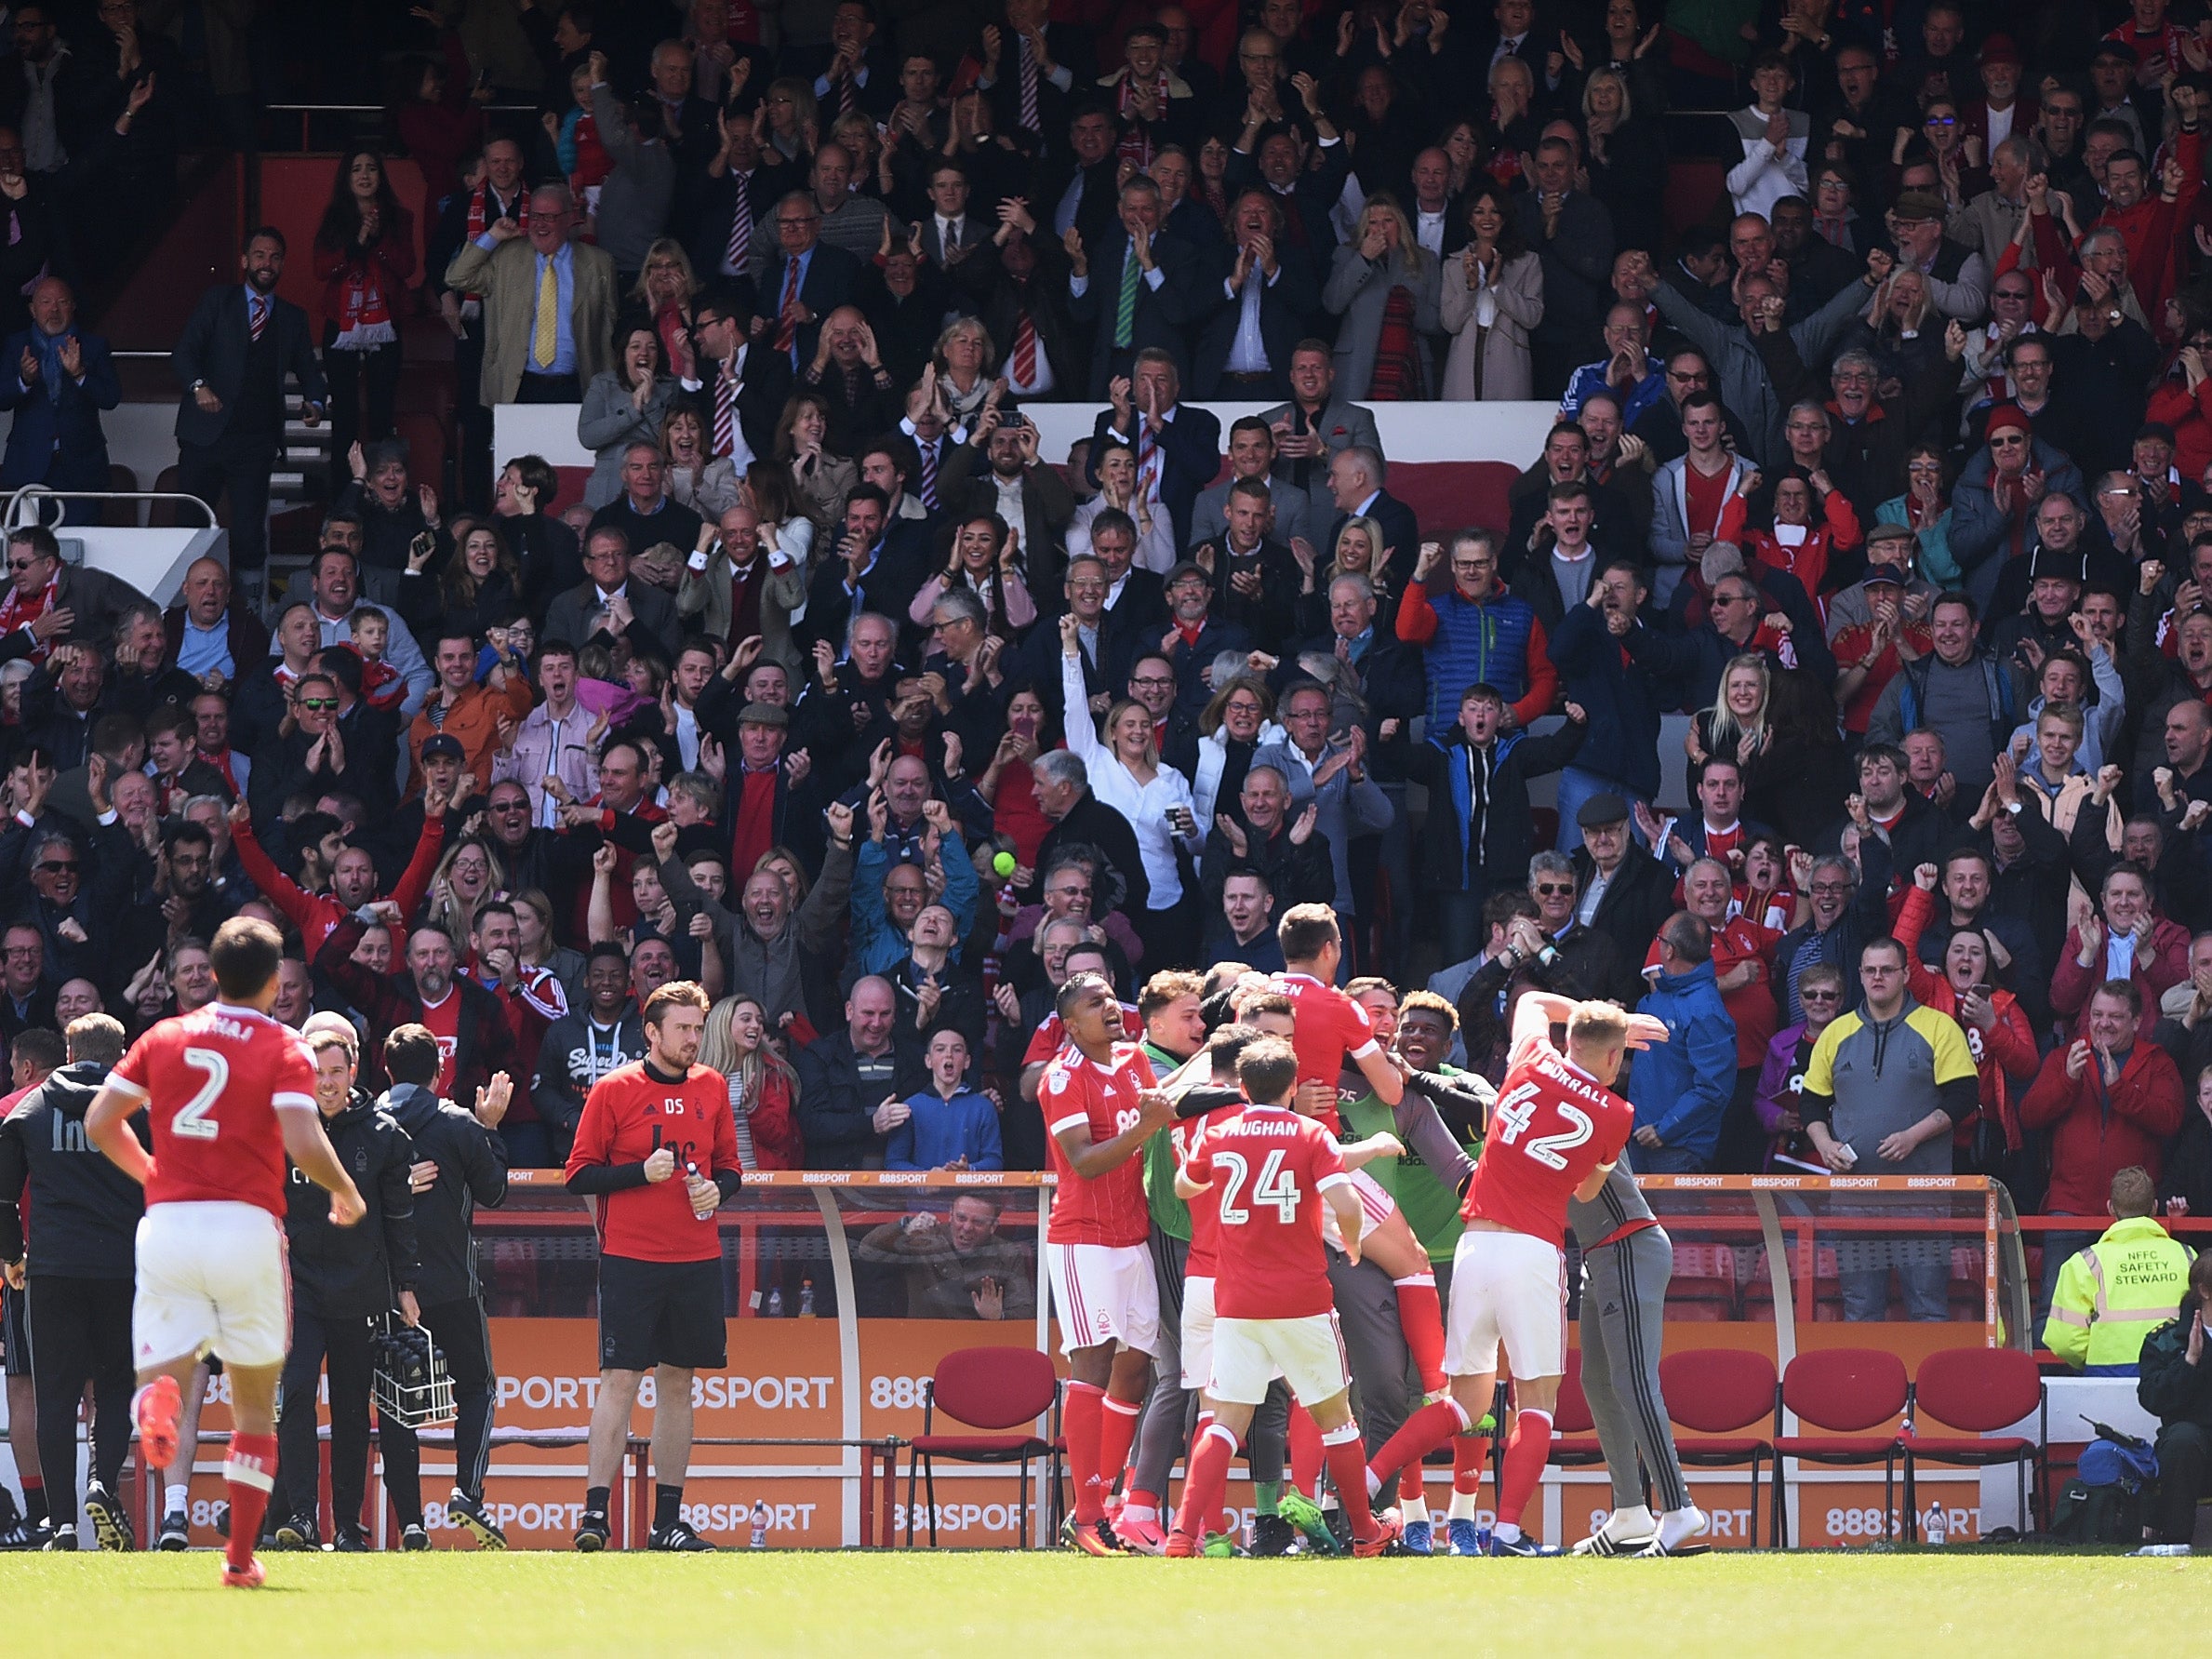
[(1510, 1116), (1274, 1186)]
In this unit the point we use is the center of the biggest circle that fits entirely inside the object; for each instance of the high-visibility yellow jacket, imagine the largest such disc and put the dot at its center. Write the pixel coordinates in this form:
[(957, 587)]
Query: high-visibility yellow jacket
[(2113, 1294)]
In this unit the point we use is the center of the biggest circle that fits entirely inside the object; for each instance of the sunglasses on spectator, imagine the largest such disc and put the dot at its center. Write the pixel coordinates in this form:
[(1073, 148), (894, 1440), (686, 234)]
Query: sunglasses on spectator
[(2010, 440), (318, 703), (1820, 996), (1552, 889), (57, 867)]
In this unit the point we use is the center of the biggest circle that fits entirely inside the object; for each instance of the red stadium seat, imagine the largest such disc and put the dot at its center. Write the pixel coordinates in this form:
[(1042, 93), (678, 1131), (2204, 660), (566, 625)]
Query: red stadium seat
[(1847, 1392), (1976, 1390), (1718, 1393), (997, 1389), (1574, 1445)]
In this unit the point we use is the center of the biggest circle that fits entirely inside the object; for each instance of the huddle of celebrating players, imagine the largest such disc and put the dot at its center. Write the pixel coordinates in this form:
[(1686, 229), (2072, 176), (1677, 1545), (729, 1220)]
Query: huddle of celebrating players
[(1251, 1128)]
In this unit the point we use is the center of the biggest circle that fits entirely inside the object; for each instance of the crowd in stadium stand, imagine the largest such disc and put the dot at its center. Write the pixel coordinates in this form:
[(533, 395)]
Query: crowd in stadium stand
[(838, 696)]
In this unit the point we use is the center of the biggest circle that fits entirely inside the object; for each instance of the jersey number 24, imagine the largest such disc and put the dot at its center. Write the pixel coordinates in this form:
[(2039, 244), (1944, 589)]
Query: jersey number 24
[(1274, 1186)]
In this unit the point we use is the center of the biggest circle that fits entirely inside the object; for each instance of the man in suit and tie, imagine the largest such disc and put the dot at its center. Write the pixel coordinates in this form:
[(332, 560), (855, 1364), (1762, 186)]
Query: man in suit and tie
[(856, 72), (1355, 483), (60, 380), (950, 232), (1177, 446), (645, 614), (1262, 306), (803, 280), (740, 384), (1312, 427), (1252, 455), (725, 204), (1133, 290), (1017, 285), (1028, 73), (231, 360), (549, 303)]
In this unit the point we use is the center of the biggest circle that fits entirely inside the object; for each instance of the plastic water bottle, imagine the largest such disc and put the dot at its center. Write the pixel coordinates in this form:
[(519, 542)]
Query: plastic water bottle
[(1935, 1527), (805, 1299), (760, 1524), (775, 1309)]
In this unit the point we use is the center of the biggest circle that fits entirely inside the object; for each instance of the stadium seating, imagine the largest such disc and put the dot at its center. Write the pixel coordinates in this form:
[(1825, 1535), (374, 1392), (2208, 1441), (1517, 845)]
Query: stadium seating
[(1846, 1392), (1003, 1390), (1716, 1394), (1977, 1391)]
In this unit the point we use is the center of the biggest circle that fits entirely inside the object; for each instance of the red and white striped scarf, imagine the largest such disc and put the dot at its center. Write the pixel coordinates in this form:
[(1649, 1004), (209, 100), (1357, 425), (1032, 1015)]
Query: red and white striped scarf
[(18, 612)]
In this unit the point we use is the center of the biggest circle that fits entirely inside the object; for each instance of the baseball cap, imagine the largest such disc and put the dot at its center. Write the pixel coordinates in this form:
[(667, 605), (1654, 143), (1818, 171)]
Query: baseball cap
[(442, 745)]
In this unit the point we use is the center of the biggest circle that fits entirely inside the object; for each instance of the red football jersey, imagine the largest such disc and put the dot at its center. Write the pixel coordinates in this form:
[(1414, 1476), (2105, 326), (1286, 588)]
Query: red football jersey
[(213, 1083), (1553, 1125), (1269, 1168), (629, 1116), (1328, 1029), (1052, 1036), (1112, 1207), (1199, 1260)]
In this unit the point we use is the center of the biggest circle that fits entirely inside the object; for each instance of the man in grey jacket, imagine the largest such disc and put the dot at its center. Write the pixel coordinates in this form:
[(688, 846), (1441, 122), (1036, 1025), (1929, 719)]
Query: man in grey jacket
[(1330, 775), (1743, 382), (633, 200)]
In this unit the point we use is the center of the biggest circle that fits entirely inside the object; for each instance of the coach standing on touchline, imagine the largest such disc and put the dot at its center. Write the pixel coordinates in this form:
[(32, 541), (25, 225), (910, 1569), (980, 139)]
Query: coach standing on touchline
[(657, 1149)]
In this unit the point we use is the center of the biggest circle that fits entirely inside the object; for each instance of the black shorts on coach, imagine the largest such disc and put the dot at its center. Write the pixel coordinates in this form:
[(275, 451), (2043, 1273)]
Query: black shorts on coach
[(661, 1313)]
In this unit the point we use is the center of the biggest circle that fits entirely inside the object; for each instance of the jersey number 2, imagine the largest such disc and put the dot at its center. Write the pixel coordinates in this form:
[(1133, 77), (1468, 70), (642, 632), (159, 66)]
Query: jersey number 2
[(191, 1120), (1275, 1186), (1512, 1114)]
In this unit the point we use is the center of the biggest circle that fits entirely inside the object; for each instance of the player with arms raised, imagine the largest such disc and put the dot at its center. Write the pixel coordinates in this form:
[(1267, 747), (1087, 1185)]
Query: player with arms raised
[(1100, 1107), (1274, 1309), (1332, 1032), (230, 1093), (1556, 1133)]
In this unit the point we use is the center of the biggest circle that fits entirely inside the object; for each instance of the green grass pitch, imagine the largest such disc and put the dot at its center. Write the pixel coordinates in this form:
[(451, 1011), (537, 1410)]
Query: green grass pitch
[(991, 1606)]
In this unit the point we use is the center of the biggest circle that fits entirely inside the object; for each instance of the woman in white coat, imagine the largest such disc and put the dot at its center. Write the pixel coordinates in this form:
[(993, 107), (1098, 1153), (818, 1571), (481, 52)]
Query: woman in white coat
[(1127, 774), (1493, 295)]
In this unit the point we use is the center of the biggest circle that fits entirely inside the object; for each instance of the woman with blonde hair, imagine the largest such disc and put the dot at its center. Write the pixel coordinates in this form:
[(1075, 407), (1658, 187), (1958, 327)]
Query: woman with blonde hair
[(537, 947), (1386, 287), (964, 358), (763, 1089), (1233, 726), (1736, 726), (664, 290), (469, 873), (1125, 774)]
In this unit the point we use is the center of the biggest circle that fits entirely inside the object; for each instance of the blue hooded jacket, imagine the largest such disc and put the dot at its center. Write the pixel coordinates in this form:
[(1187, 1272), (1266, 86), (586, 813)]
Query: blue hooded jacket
[(1681, 1087)]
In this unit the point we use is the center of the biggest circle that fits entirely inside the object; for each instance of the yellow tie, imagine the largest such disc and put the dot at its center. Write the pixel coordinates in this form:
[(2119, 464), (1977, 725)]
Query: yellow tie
[(544, 337)]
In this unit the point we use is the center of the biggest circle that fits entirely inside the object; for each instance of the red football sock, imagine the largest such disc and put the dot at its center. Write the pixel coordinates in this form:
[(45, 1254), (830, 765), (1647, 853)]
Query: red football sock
[(1471, 1456), (1117, 1428), (1420, 1319), (1423, 1432), (1082, 1425), (1205, 1481), (1412, 1484), (248, 1474), (1526, 1455), (1348, 1469), (1305, 1450)]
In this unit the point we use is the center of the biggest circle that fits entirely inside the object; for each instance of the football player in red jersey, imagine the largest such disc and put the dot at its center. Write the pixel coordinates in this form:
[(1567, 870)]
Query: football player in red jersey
[(1274, 1306), (657, 1147), (1335, 1034), (1100, 1107), (1556, 1133), (230, 1093)]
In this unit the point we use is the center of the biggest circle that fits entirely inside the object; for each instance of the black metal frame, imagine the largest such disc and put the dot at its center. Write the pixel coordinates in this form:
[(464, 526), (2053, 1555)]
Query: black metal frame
[(1032, 1447)]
